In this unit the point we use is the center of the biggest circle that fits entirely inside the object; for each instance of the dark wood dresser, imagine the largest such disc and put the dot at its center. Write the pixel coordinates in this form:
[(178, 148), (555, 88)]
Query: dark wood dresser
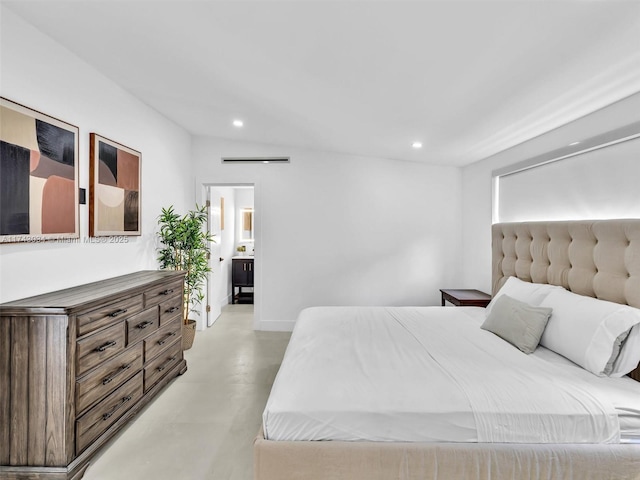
[(76, 365)]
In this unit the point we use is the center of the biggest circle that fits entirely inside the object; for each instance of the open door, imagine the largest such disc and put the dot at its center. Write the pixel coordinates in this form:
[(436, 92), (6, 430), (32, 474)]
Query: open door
[(226, 205), (216, 261)]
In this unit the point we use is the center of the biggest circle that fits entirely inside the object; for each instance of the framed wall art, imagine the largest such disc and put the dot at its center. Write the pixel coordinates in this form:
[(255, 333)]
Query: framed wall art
[(114, 188), (38, 176)]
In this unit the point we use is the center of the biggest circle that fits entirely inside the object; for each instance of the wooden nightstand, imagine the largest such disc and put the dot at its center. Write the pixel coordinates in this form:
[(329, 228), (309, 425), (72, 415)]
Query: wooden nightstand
[(465, 298)]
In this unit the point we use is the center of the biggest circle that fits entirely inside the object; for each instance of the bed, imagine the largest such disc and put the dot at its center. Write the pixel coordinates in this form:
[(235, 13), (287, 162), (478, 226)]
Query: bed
[(440, 403)]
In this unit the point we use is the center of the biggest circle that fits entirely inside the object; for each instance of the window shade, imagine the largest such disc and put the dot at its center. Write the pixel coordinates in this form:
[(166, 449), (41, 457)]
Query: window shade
[(598, 184)]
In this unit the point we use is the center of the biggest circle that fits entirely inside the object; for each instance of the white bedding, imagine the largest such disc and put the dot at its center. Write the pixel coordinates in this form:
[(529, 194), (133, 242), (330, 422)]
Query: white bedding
[(430, 374)]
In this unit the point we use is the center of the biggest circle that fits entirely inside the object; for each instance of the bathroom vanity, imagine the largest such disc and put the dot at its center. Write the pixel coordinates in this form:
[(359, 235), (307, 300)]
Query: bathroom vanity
[(242, 278)]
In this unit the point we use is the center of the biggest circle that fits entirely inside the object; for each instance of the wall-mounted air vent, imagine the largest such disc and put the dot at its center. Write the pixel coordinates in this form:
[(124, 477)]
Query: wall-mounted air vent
[(255, 159)]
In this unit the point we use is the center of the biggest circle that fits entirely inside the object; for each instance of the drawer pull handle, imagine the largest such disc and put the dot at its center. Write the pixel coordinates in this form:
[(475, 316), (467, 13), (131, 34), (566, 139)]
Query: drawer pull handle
[(144, 325), (167, 363), (166, 292), (118, 372), (118, 312), (106, 416), (102, 348), (164, 340), (172, 309)]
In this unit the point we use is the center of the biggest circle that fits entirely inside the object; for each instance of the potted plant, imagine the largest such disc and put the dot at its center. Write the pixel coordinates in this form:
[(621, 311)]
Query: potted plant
[(185, 246)]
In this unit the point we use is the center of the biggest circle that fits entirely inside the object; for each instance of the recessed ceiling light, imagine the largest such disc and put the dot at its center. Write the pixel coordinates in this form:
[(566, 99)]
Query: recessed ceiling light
[(574, 143), (238, 123), (416, 145)]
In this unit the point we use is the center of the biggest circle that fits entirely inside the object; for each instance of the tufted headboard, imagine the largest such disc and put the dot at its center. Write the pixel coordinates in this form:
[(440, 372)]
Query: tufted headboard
[(597, 258)]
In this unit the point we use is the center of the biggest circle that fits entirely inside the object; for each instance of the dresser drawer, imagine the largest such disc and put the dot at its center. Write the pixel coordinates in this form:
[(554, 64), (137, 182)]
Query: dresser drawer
[(162, 339), (94, 423), (162, 364), (160, 293), (142, 324), (106, 314), (170, 309), (94, 349), (107, 377)]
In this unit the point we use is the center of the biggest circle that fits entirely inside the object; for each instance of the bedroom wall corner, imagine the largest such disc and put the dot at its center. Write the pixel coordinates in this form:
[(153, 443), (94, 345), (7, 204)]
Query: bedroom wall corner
[(41, 74)]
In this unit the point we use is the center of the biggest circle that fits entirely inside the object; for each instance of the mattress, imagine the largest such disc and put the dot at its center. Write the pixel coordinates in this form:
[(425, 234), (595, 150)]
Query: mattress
[(430, 374)]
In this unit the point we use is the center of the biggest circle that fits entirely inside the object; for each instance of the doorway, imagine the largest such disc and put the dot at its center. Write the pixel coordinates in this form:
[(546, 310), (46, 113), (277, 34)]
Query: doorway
[(231, 221)]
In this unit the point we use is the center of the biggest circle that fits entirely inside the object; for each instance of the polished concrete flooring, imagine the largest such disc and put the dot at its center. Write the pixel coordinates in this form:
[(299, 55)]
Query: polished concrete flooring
[(203, 424)]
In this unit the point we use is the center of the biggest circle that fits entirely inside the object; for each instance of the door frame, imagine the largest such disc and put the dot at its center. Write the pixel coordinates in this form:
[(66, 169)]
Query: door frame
[(215, 263)]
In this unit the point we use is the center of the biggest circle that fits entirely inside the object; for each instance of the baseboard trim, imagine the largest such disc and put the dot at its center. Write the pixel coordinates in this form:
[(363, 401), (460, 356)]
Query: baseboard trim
[(276, 325)]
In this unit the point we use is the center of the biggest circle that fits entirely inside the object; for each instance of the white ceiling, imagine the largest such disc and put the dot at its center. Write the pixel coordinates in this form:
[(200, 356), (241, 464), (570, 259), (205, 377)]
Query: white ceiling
[(467, 79)]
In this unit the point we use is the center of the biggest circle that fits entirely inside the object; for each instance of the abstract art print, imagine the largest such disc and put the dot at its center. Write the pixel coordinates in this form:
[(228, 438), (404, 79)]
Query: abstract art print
[(38, 176), (114, 193)]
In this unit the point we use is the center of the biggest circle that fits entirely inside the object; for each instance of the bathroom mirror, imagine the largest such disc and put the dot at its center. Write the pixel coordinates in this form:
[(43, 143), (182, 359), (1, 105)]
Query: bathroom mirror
[(246, 223)]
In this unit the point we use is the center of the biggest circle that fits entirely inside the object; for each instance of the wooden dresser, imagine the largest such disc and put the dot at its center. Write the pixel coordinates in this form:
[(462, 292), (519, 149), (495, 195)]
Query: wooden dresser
[(77, 364)]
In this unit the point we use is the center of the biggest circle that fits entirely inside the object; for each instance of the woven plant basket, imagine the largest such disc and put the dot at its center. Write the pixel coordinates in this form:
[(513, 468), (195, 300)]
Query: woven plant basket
[(188, 334)]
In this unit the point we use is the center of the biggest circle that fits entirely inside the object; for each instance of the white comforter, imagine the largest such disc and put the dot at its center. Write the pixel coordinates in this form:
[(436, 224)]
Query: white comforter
[(426, 374)]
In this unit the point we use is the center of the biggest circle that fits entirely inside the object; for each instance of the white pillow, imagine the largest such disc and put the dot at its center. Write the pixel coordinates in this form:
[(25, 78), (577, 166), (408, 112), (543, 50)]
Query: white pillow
[(529, 293), (586, 330), (629, 356)]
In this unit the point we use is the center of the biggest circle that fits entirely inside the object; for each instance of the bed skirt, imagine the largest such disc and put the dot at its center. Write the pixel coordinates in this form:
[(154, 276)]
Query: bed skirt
[(284, 460)]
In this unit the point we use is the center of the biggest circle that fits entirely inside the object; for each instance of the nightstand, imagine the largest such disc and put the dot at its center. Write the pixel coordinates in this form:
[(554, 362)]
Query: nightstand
[(465, 298)]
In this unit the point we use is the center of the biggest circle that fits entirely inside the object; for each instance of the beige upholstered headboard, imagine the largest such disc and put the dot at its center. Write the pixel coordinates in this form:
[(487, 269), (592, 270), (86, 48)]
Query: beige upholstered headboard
[(597, 258)]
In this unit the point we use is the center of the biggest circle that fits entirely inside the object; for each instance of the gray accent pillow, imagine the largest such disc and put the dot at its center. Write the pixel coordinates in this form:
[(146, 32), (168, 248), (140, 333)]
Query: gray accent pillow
[(517, 322)]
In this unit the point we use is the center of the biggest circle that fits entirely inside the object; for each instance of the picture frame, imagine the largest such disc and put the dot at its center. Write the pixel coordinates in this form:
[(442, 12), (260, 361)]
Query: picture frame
[(115, 174), (39, 165)]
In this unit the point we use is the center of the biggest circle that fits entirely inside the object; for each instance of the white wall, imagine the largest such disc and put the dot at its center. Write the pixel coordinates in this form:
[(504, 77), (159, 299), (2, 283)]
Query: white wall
[(477, 182), (39, 73), (342, 230)]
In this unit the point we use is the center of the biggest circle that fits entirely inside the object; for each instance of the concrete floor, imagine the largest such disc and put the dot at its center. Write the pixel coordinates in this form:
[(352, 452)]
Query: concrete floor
[(203, 424)]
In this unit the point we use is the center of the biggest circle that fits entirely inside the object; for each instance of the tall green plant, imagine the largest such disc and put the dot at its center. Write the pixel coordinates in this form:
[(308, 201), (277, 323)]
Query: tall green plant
[(186, 247)]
